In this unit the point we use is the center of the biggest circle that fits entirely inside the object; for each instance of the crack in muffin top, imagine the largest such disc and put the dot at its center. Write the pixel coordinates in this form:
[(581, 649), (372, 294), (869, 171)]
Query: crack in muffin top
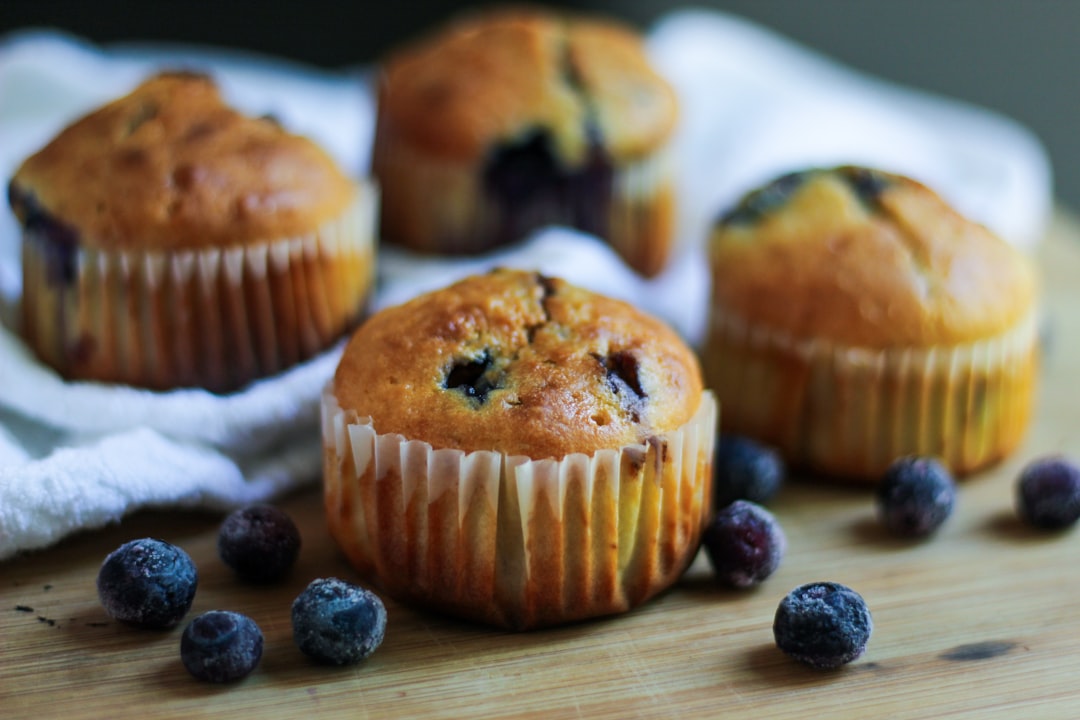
[(518, 363)]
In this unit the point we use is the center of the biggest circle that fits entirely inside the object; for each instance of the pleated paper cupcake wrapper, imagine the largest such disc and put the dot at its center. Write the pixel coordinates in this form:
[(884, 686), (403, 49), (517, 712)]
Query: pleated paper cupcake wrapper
[(442, 208), (215, 318), (849, 412), (515, 542)]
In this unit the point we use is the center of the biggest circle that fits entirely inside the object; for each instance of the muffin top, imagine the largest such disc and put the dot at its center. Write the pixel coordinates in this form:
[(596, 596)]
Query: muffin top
[(496, 77), (521, 364), (171, 166), (868, 259)]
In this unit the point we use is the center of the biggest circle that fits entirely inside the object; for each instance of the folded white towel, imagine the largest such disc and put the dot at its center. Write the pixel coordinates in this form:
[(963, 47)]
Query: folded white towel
[(80, 455)]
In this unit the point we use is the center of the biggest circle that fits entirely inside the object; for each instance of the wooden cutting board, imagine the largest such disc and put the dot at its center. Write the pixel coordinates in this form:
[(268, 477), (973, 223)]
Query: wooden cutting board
[(981, 621)]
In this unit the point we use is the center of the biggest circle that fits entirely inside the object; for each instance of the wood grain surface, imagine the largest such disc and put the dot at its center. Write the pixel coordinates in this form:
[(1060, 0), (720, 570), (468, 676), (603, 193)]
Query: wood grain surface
[(981, 621)]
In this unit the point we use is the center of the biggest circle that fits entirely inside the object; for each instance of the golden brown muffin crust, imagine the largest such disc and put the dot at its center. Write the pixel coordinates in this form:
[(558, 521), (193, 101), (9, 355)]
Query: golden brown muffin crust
[(554, 369), (494, 77), (171, 166), (900, 268)]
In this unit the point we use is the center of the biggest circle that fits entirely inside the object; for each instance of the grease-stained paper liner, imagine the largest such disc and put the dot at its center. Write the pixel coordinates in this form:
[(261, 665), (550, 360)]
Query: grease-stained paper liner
[(849, 412), (511, 541), (216, 318), (441, 206)]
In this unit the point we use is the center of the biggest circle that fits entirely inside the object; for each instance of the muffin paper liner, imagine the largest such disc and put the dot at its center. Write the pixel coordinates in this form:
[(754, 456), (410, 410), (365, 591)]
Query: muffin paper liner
[(216, 318), (440, 207), (511, 541), (849, 412), (642, 218)]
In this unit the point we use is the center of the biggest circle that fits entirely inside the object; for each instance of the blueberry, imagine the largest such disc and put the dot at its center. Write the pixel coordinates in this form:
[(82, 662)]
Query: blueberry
[(823, 624), (622, 376), (473, 377), (757, 204), (337, 623), (259, 542), (518, 171), (532, 188), (744, 543), (221, 646), (1048, 493), (745, 470), (58, 242), (868, 185), (147, 582), (915, 496)]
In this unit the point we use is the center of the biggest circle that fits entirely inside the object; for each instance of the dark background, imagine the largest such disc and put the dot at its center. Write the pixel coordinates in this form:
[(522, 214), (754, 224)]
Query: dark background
[(1020, 57)]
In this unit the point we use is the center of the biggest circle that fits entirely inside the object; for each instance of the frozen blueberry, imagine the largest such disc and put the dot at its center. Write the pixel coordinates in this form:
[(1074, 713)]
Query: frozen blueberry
[(221, 646), (259, 542), (147, 582), (745, 470), (744, 543), (915, 496), (1048, 493), (823, 624), (337, 623)]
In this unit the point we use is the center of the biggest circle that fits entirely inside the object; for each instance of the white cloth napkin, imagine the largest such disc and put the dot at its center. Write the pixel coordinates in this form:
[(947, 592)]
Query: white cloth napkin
[(79, 455)]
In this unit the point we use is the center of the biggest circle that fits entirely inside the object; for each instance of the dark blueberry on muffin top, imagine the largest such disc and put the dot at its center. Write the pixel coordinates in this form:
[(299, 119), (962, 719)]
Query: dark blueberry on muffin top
[(759, 203), (473, 377), (867, 184)]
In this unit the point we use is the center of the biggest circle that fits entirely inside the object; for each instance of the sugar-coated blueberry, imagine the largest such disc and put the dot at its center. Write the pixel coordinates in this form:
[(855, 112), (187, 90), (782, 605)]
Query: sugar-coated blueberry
[(147, 582), (337, 623), (745, 469), (915, 496), (823, 624), (1048, 493), (221, 646), (259, 542), (744, 543)]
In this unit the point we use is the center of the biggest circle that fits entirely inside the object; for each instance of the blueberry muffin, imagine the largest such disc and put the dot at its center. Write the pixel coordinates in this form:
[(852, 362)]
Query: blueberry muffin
[(517, 451), (507, 121), (170, 241), (856, 317)]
